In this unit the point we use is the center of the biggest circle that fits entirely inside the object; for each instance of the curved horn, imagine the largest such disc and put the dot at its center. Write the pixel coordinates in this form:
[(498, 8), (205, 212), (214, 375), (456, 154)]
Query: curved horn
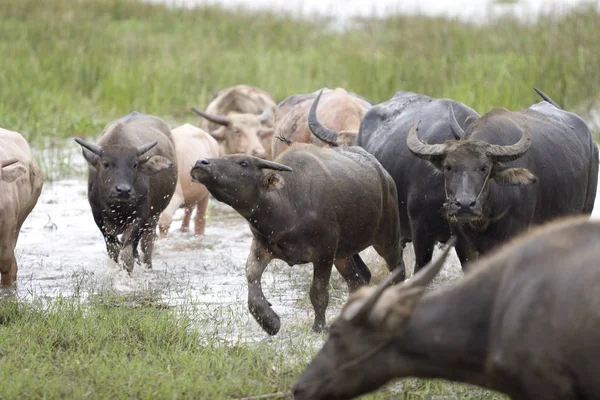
[(217, 119), (6, 163), (323, 133), (427, 152), (546, 98), (265, 115), (457, 131), (261, 163), (145, 148), (94, 148), (512, 152), (420, 279)]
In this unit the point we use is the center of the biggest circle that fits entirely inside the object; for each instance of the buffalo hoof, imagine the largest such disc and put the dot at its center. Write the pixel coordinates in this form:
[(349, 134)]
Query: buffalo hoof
[(266, 318), (320, 327)]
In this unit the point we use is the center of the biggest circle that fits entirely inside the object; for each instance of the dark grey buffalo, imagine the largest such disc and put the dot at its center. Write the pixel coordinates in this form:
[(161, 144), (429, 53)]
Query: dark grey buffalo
[(383, 133), (132, 177), (317, 205), (524, 322), (509, 170)]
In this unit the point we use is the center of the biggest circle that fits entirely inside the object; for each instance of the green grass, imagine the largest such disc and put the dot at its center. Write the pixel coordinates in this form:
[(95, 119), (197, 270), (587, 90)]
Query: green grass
[(115, 347), (69, 66)]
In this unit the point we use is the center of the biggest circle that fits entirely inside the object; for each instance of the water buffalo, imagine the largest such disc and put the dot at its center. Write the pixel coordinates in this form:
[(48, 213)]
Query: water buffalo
[(341, 111), (132, 177), (509, 170), (190, 143), (318, 205), (241, 118), (383, 133), (20, 187), (524, 322)]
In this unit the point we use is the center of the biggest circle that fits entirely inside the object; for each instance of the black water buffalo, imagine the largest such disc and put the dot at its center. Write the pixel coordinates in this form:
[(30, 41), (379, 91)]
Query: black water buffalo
[(524, 322), (383, 133), (126, 189), (318, 205), (509, 170)]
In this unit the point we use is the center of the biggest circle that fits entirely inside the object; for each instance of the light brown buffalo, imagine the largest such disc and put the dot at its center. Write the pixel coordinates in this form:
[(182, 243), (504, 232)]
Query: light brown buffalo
[(20, 187), (191, 143), (241, 118), (339, 110)]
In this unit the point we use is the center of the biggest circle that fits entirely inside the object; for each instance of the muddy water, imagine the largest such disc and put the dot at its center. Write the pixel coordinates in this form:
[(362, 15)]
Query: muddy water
[(61, 252)]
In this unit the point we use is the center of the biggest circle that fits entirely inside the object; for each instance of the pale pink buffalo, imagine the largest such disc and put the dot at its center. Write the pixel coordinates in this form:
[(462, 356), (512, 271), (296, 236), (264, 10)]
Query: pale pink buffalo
[(20, 187), (191, 143)]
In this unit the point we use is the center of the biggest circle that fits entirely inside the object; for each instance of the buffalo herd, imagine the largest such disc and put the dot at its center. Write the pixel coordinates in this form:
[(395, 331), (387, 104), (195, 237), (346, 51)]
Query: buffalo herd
[(322, 176)]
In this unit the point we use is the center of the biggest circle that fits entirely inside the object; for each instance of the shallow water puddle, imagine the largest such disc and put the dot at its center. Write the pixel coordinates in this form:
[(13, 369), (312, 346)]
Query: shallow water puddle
[(61, 252)]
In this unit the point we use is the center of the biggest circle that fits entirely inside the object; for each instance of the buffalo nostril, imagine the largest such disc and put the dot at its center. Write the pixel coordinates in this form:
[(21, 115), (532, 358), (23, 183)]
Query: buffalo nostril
[(123, 189), (472, 204), (202, 161)]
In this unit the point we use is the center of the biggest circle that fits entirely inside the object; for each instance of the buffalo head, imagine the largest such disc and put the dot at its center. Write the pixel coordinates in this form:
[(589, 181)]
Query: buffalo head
[(359, 354), (122, 172), (11, 174), (468, 166), (242, 133), (238, 180)]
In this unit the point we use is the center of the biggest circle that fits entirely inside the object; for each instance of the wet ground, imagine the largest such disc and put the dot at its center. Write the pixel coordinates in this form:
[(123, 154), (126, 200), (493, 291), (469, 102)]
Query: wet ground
[(61, 252)]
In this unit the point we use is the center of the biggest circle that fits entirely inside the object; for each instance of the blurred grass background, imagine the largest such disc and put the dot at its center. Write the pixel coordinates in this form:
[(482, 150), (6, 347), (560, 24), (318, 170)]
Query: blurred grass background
[(70, 66)]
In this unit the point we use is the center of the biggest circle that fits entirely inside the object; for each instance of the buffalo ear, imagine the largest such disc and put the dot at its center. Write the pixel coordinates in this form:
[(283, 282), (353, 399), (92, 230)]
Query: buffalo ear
[(219, 134), (469, 120), (394, 309), (508, 176), (10, 175), (155, 164), (90, 157), (273, 181), (265, 133)]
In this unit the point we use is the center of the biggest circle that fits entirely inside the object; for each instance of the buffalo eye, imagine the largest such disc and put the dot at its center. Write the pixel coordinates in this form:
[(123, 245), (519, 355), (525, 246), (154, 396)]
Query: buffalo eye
[(244, 164), (105, 164), (448, 168), (135, 165), (484, 168)]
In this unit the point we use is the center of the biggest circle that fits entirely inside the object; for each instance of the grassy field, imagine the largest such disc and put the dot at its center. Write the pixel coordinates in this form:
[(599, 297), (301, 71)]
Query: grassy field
[(69, 66), (121, 348)]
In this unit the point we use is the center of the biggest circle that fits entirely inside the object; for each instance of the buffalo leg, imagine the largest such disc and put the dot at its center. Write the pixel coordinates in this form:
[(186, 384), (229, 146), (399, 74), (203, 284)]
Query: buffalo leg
[(187, 216), (259, 307), (392, 254), (113, 245), (147, 243), (8, 271), (349, 271), (319, 292), (465, 253), (200, 220), (131, 238), (422, 244)]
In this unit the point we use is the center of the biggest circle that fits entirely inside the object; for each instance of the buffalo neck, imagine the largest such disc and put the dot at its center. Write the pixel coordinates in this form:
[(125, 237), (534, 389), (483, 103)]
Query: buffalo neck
[(271, 213), (447, 337)]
